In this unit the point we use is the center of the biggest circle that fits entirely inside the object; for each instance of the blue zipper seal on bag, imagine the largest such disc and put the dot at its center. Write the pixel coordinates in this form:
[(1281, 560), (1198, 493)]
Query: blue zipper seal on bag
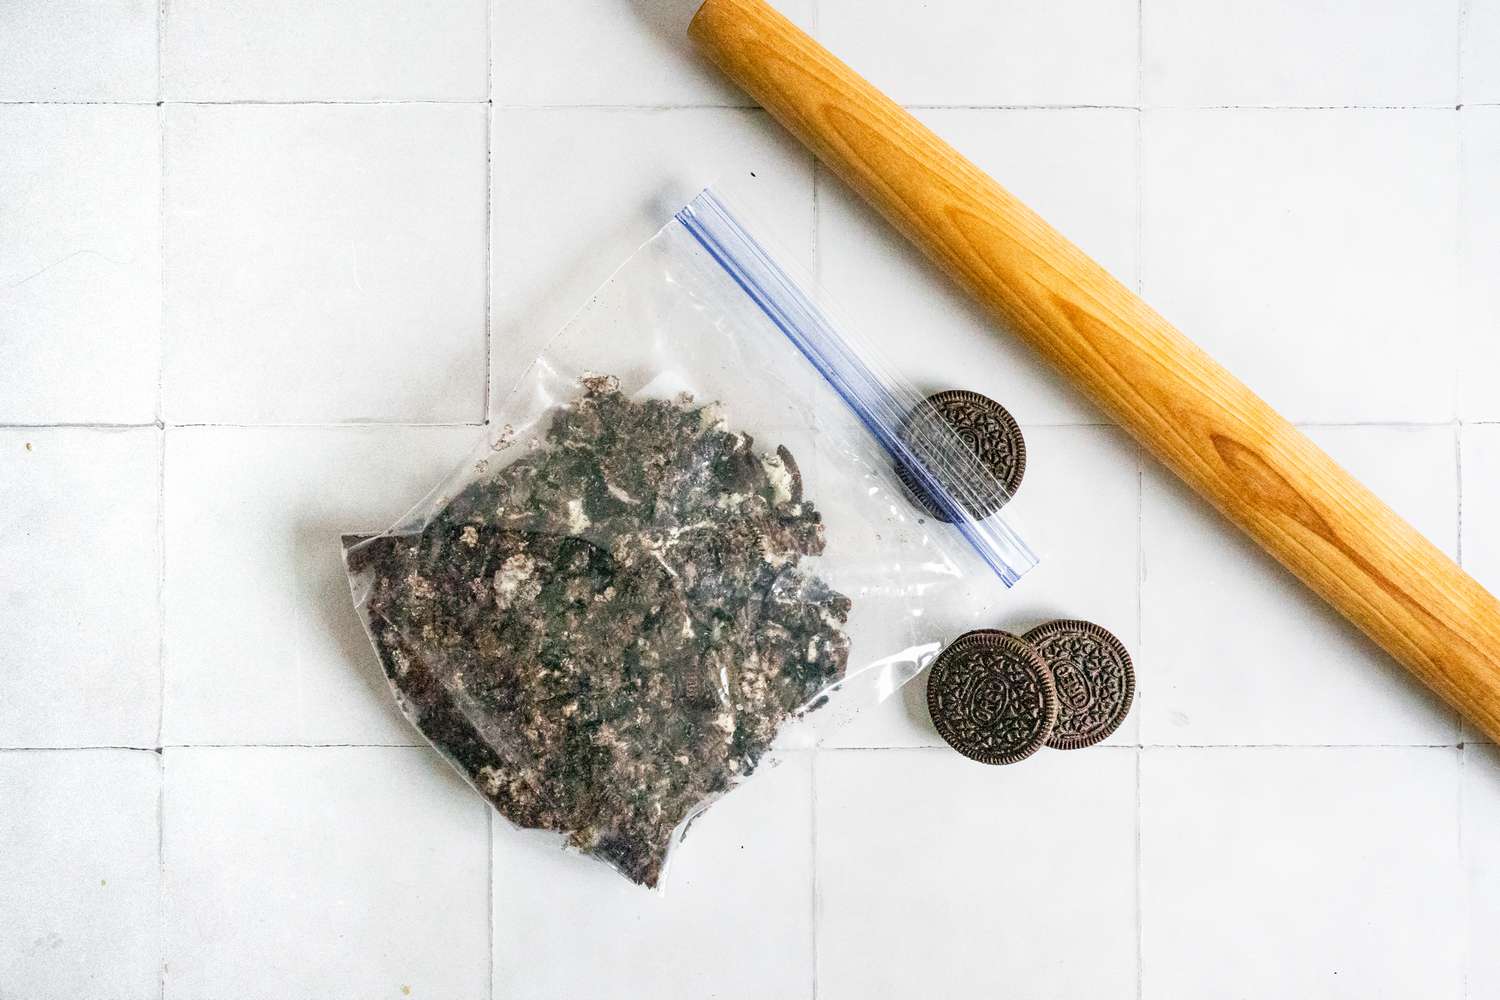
[(791, 311)]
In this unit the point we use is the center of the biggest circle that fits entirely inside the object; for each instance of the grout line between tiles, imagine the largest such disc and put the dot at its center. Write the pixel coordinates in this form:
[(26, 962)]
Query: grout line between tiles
[(161, 586), (489, 254), (80, 749), (1102, 748), (78, 104), (1461, 291), (1458, 469), (812, 795), (80, 425), (294, 746), (1140, 864), (1140, 483), (489, 827), (329, 425), (1021, 107), (1140, 54), (440, 424), (489, 209), (817, 224), (161, 376), (1462, 28), (161, 870), (1466, 941), (161, 503), (353, 103), (816, 260), (689, 106), (1298, 746), (686, 106), (1299, 107), (1138, 747)]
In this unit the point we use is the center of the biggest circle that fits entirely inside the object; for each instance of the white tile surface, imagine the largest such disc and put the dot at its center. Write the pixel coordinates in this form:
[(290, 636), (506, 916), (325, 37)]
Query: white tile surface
[(1481, 817), (262, 641), (593, 185), (333, 872), (1075, 167), (634, 52), (98, 51), (1301, 873), (1078, 507), (325, 263), (1481, 515), (1481, 520), (79, 621), (941, 877), (972, 52), (79, 882), (1235, 650), (1293, 52), (1260, 243), (80, 262), (733, 919), (1481, 53), (1479, 320), (324, 50)]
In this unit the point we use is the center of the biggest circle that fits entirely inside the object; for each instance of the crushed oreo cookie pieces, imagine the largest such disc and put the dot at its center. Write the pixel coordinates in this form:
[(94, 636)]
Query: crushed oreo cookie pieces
[(609, 632)]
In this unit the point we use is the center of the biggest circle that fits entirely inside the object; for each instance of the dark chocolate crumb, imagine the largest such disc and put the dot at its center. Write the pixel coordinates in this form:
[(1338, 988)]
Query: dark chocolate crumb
[(609, 632)]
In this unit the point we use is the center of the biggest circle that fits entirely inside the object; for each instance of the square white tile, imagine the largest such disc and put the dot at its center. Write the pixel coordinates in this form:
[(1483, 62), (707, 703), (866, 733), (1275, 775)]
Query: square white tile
[(1479, 320), (972, 52), (332, 872), (1481, 52), (1290, 52), (1481, 817), (577, 192), (582, 52), (1259, 242), (79, 880), (1236, 650), (103, 51), (324, 50), (1078, 507), (263, 644), (941, 877), (1301, 872), (325, 263), (79, 617), (80, 262), (733, 918), (1075, 167)]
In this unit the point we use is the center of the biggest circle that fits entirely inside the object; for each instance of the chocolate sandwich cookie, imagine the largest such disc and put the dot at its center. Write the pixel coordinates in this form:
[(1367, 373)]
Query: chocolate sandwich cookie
[(987, 429), (991, 697), (1094, 677)]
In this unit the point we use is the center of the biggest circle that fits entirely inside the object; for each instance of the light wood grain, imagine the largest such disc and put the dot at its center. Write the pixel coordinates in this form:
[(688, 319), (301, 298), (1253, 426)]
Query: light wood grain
[(1200, 421)]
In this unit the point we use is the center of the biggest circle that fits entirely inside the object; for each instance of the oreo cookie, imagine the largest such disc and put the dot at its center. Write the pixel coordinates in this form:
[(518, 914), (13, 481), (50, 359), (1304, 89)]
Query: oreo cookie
[(992, 697), (989, 432), (1094, 679)]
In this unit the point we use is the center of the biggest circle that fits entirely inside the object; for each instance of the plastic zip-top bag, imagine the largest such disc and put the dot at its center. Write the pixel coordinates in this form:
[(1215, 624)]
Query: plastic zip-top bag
[(686, 542)]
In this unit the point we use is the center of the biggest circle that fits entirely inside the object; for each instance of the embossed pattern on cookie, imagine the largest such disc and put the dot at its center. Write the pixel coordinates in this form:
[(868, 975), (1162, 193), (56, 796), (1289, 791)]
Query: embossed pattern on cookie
[(987, 429), (991, 697), (1094, 677)]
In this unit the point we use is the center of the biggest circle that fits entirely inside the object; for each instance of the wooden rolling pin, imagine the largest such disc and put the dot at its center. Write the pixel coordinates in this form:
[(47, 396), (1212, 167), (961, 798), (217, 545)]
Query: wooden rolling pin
[(1204, 424)]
